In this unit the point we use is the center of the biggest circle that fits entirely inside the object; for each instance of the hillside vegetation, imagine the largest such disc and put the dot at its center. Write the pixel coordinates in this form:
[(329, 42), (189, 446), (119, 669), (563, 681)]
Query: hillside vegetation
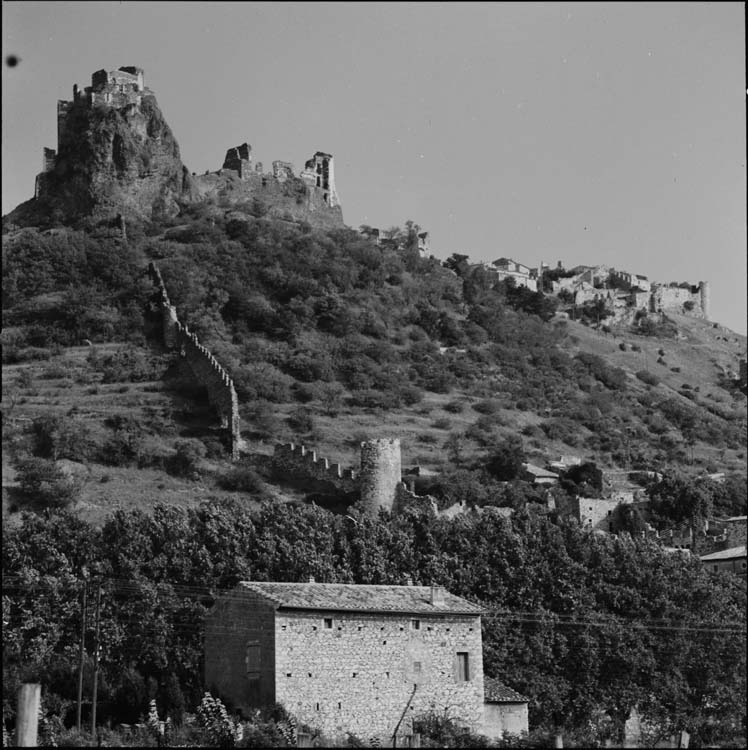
[(331, 339)]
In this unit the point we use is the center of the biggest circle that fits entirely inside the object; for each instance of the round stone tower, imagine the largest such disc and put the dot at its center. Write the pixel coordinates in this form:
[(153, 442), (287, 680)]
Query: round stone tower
[(381, 472), (704, 293)]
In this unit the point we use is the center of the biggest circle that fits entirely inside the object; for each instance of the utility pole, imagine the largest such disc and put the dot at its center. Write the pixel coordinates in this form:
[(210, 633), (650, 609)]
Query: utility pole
[(27, 717), (96, 657), (81, 653)]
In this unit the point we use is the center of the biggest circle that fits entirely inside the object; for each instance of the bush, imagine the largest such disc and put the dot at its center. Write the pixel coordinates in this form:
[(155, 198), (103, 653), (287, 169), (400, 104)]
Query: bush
[(442, 423), (301, 420), (454, 407), (240, 479), (56, 437), (185, 462), (43, 481), (647, 377)]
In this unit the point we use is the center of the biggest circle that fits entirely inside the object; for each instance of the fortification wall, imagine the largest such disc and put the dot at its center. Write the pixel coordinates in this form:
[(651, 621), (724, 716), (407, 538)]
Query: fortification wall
[(298, 462), (204, 366)]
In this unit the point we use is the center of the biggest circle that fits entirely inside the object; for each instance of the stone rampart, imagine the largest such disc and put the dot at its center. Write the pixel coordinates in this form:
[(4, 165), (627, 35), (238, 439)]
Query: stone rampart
[(204, 366), (298, 462)]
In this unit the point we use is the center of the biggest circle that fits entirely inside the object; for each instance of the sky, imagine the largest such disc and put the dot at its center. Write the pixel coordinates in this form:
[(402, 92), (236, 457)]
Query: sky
[(590, 133)]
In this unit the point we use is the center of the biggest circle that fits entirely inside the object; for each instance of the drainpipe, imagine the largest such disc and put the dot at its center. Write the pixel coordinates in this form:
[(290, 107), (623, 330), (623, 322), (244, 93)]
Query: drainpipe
[(405, 710)]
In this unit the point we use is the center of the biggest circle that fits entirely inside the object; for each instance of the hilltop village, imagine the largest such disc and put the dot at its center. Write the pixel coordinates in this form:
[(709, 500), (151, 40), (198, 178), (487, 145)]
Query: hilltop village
[(241, 290)]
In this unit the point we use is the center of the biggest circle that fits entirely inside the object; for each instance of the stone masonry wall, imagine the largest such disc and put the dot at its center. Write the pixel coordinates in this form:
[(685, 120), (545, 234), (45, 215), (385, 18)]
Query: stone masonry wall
[(241, 622), (299, 462), (204, 366), (381, 473), (359, 675)]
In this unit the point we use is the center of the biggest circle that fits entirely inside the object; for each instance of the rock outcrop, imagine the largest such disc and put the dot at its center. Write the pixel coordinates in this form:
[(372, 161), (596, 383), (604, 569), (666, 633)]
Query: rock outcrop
[(116, 155)]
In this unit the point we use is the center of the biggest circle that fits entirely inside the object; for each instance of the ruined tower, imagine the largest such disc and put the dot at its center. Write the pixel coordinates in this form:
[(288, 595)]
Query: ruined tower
[(704, 294), (381, 473), (239, 159), (319, 173)]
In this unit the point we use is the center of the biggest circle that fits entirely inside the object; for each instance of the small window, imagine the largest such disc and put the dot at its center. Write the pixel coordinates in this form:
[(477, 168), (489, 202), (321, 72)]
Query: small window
[(417, 667), (415, 624), (463, 667), (340, 705), (316, 706), (328, 623)]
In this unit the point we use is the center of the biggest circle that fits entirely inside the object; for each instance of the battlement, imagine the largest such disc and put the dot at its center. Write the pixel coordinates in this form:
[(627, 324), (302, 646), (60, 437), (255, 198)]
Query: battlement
[(207, 370), (299, 462)]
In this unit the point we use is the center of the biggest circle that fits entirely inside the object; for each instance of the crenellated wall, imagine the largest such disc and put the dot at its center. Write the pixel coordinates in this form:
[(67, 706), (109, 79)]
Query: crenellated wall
[(298, 462), (204, 366)]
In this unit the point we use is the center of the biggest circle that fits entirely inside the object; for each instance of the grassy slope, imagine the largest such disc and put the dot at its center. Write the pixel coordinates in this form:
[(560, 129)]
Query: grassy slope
[(701, 352)]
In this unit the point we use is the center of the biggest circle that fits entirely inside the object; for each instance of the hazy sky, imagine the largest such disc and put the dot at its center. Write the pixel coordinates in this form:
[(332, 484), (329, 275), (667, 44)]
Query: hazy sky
[(589, 133)]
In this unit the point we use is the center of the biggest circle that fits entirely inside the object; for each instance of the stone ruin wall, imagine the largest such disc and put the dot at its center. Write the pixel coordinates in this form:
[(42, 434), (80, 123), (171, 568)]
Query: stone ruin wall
[(664, 298), (204, 366), (298, 462), (379, 480)]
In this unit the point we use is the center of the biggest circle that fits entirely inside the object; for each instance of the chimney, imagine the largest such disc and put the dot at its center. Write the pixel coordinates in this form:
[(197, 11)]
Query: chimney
[(437, 595), (311, 579)]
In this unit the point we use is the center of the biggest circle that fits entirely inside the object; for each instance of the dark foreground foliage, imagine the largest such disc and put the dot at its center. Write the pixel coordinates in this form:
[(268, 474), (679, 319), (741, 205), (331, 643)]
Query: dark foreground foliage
[(580, 624)]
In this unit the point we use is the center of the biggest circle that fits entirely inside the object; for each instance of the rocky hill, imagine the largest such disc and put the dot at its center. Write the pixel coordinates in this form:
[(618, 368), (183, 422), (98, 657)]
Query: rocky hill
[(310, 332), (118, 160)]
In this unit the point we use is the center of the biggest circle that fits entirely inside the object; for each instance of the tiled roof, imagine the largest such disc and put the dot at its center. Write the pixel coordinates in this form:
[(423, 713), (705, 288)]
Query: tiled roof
[(360, 598), (726, 554), (497, 692)]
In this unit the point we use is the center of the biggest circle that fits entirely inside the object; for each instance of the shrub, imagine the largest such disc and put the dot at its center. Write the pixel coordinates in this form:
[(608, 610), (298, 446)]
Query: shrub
[(185, 462), (301, 420), (488, 406), (240, 479), (56, 437), (454, 407), (442, 423), (42, 480), (647, 377)]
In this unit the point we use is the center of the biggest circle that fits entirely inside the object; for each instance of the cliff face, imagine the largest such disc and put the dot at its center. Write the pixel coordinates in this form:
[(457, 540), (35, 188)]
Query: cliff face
[(110, 160)]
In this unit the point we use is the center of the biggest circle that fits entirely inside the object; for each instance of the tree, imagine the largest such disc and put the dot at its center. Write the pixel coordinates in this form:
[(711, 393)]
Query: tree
[(506, 460)]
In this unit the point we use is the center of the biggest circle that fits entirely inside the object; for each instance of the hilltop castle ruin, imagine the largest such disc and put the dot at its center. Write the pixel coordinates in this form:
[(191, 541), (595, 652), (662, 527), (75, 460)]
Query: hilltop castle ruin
[(119, 88), (309, 196)]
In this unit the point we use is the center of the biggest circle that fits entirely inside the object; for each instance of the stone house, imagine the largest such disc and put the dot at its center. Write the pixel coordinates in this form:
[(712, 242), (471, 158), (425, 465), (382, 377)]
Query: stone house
[(364, 659), (732, 560), (505, 710)]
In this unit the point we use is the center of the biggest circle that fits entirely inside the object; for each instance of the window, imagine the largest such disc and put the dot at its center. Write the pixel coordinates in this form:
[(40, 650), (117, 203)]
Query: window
[(463, 667), (252, 660), (417, 667), (328, 623), (415, 624)]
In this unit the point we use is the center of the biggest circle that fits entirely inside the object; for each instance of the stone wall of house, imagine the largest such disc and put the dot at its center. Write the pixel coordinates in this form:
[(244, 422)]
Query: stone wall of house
[(594, 513), (204, 366), (359, 675), (299, 462), (504, 717), (240, 650)]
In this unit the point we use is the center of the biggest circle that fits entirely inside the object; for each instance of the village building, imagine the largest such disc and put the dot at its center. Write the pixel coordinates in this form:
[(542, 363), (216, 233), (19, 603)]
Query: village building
[(522, 275), (364, 659), (538, 475), (505, 710), (732, 560)]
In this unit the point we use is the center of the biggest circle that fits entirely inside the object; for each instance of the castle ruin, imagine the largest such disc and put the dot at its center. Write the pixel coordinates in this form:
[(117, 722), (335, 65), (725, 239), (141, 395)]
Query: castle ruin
[(114, 88)]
